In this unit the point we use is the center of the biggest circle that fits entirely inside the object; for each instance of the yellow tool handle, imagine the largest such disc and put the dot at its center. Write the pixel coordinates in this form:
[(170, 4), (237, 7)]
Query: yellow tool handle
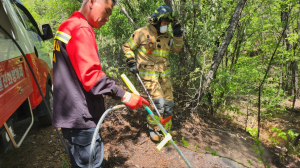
[(168, 136), (129, 84)]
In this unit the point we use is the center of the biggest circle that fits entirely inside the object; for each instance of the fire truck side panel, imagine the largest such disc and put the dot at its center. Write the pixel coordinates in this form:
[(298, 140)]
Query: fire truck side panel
[(15, 88), (40, 70)]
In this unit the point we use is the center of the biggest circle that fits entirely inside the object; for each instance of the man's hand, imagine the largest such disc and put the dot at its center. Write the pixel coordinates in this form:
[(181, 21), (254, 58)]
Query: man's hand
[(132, 65), (134, 101), (177, 31)]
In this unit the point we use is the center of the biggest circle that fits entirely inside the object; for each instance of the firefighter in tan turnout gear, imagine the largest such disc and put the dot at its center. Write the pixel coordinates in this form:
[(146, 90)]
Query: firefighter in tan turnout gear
[(152, 45)]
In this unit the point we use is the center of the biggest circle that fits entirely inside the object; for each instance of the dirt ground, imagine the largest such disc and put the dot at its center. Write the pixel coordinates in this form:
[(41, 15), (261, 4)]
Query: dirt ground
[(127, 144)]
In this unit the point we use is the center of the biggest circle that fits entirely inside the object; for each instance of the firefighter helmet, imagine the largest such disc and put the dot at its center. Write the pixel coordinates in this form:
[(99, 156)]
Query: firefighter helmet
[(164, 13)]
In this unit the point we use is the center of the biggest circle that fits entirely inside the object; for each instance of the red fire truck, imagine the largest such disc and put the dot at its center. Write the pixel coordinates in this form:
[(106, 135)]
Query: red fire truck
[(19, 94)]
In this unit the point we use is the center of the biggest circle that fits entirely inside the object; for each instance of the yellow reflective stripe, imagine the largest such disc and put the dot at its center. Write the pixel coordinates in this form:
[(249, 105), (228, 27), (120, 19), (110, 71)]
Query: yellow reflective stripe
[(148, 74), (64, 37), (143, 50), (155, 74), (129, 54), (159, 53), (150, 121), (178, 44), (166, 73), (131, 43)]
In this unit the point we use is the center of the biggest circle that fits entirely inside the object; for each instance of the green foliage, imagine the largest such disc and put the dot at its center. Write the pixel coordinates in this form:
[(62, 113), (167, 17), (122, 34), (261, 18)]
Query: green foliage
[(280, 133), (214, 153), (249, 162), (185, 142), (205, 23), (289, 136), (253, 131), (257, 147), (235, 109), (64, 162), (228, 116), (274, 141)]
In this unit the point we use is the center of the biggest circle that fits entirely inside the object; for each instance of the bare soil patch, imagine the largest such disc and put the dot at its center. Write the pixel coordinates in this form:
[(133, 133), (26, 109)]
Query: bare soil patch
[(127, 144)]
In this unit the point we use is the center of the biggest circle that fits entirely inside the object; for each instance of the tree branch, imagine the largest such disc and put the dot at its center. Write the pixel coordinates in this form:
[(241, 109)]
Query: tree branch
[(127, 15)]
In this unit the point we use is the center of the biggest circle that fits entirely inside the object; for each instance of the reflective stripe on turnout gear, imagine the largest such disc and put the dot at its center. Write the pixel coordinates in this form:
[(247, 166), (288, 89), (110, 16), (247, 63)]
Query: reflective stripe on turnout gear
[(129, 54), (64, 37), (165, 73), (178, 44), (131, 43), (159, 53), (155, 74)]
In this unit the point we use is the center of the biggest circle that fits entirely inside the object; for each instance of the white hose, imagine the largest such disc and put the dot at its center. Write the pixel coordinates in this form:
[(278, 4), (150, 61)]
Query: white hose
[(91, 160)]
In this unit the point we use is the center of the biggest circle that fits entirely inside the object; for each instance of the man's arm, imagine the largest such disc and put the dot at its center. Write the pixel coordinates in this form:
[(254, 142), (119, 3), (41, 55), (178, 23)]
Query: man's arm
[(176, 45), (82, 51), (177, 41), (132, 44)]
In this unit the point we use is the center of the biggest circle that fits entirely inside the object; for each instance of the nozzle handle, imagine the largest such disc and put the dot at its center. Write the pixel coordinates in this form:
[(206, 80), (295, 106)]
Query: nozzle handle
[(129, 84), (163, 142)]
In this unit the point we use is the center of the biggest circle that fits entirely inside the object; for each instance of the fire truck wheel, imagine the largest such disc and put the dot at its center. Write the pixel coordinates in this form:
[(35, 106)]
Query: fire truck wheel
[(46, 119)]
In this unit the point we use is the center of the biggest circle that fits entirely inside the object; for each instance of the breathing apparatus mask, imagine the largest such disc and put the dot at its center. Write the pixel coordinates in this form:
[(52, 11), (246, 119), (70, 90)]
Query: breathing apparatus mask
[(163, 29)]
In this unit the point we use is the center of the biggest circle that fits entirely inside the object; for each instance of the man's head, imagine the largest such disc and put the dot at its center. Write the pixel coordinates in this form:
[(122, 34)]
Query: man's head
[(97, 12), (161, 18), (164, 23)]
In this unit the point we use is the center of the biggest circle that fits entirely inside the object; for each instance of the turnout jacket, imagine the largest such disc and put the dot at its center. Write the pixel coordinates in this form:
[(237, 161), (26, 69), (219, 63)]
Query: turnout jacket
[(79, 83), (155, 54)]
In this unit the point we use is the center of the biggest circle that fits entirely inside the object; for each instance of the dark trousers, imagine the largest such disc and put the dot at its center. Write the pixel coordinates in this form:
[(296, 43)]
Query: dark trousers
[(79, 144)]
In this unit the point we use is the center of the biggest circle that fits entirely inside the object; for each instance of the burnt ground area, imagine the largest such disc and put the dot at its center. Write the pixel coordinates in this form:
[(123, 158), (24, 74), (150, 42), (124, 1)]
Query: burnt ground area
[(127, 144)]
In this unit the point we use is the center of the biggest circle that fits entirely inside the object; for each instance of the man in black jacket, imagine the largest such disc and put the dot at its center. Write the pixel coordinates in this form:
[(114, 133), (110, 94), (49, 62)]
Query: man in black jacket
[(79, 83)]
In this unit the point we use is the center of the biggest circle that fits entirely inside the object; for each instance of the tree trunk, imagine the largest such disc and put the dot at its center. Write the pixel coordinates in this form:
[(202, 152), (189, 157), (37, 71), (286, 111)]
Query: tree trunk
[(287, 78), (183, 53), (218, 55), (170, 3), (267, 71), (298, 31), (280, 78), (296, 142), (210, 104), (295, 81)]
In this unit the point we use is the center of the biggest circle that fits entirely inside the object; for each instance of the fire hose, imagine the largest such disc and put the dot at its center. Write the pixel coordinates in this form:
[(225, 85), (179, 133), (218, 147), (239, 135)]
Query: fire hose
[(167, 135), (167, 138), (92, 149)]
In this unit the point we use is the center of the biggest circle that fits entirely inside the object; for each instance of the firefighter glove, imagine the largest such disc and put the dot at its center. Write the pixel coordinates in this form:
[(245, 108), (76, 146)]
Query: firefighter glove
[(134, 101), (132, 65), (177, 30)]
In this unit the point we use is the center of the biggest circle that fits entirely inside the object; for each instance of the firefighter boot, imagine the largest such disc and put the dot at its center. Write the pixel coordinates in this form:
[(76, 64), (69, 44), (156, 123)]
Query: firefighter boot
[(168, 112), (155, 133)]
